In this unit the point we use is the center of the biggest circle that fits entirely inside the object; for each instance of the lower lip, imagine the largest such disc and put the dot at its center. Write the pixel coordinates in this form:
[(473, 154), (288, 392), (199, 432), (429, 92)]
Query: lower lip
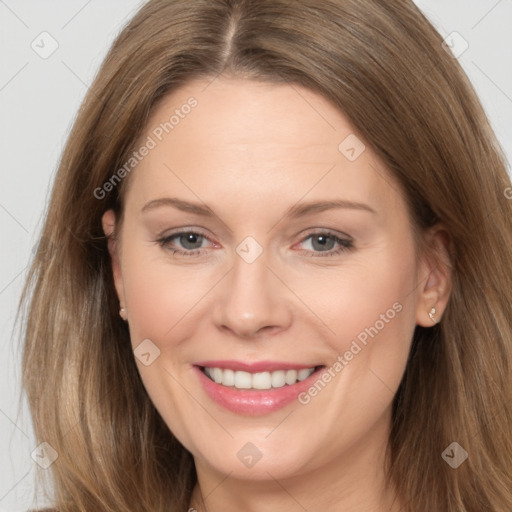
[(251, 402)]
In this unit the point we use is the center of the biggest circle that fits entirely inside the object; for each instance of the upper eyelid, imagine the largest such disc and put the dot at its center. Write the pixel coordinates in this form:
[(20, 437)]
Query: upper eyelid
[(165, 238), (196, 231), (329, 232)]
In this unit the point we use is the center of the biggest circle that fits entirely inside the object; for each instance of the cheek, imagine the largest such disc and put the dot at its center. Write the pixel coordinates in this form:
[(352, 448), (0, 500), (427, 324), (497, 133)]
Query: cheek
[(374, 323), (160, 296), (369, 296), (371, 309)]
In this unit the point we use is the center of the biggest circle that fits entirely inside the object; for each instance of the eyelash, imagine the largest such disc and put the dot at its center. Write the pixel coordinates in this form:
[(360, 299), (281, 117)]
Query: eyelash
[(345, 245)]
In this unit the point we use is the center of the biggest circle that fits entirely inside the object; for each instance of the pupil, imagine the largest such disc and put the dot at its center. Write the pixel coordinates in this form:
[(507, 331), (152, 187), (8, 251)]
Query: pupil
[(190, 239), (323, 242)]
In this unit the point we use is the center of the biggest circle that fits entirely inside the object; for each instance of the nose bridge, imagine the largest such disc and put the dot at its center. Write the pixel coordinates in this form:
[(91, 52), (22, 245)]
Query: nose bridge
[(253, 299)]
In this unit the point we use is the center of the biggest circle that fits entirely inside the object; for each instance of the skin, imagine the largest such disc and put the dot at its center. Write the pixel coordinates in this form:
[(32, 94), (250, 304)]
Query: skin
[(250, 151)]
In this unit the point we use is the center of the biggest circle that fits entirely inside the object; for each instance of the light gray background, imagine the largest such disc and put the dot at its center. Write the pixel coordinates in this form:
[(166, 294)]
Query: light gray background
[(38, 102)]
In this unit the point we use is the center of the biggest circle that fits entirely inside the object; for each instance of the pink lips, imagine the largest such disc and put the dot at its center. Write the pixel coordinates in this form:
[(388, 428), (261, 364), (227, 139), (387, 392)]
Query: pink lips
[(251, 402)]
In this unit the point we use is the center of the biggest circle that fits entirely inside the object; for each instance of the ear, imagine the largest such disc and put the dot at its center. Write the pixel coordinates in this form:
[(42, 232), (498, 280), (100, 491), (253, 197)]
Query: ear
[(108, 222), (434, 276)]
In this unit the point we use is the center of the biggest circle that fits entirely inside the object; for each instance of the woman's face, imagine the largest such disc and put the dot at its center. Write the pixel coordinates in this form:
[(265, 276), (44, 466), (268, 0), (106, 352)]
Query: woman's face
[(294, 254)]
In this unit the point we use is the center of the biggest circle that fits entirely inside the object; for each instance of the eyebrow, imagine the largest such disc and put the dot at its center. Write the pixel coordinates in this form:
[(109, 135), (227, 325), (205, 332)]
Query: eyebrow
[(185, 206), (301, 209), (296, 211)]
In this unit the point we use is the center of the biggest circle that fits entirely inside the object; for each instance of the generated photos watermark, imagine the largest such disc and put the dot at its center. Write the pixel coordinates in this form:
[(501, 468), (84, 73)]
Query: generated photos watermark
[(343, 360), (152, 140)]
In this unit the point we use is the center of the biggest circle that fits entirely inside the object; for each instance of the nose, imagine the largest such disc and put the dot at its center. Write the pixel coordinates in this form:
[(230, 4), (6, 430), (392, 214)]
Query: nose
[(252, 301)]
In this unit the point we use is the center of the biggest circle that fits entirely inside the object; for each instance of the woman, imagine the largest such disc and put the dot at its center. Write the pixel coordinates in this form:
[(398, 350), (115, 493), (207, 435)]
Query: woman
[(274, 273)]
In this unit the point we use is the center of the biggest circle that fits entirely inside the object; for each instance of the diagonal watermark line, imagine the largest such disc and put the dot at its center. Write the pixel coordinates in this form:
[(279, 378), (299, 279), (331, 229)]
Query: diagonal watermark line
[(301, 198), (323, 323), (216, 487), (211, 81), (385, 178), (13, 13), (492, 81), (280, 423), (84, 83), (383, 383), (14, 218), (199, 403), (296, 90), (199, 300), (204, 498), (486, 14), (204, 204), (15, 425), (286, 491), (14, 76), (13, 279), (75, 15), (15, 485)]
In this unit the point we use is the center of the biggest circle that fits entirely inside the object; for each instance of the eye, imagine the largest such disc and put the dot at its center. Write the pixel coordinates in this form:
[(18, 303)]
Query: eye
[(326, 243), (189, 243), (318, 244)]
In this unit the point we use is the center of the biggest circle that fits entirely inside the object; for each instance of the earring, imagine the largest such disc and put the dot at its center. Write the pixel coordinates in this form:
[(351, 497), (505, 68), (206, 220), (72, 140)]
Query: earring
[(431, 315), (122, 313)]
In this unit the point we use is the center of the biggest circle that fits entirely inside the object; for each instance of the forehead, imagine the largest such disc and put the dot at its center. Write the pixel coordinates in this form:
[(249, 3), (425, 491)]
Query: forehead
[(247, 114), (244, 138)]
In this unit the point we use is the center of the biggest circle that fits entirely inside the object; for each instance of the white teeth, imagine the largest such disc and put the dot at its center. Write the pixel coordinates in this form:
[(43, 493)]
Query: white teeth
[(243, 380), (228, 378), (303, 374), (291, 377), (217, 375), (278, 379), (260, 380)]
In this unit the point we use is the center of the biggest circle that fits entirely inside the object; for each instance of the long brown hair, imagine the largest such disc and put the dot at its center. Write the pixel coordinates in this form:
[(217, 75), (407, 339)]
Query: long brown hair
[(383, 65)]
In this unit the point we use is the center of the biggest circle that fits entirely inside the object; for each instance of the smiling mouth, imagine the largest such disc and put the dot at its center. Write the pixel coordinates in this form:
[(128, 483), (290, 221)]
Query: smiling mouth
[(258, 380)]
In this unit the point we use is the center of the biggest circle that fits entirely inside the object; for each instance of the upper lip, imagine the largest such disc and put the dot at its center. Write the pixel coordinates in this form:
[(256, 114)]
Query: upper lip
[(254, 366)]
